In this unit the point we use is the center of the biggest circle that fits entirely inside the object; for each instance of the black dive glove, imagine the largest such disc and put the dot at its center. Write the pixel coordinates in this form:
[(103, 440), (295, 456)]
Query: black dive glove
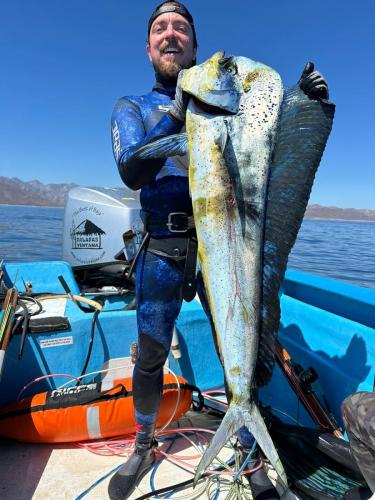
[(313, 83), (180, 102)]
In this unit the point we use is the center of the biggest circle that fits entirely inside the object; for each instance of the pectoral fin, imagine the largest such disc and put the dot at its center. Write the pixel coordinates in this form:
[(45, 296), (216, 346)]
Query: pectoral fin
[(173, 145)]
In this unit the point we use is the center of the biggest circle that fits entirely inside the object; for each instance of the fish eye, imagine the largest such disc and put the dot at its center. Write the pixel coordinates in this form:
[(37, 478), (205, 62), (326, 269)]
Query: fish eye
[(232, 69), (228, 64)]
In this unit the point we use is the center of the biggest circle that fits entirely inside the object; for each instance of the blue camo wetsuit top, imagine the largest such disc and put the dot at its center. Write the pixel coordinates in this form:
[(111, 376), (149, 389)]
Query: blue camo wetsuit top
[(136, 121)]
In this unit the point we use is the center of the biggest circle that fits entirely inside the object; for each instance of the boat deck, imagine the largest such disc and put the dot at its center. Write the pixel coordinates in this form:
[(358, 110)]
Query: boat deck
[(65, 471)]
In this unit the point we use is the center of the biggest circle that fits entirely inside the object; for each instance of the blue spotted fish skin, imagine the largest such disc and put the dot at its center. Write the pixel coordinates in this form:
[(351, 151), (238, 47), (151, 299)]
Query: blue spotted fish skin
[(229, 162), (229, 158), (254, 150)]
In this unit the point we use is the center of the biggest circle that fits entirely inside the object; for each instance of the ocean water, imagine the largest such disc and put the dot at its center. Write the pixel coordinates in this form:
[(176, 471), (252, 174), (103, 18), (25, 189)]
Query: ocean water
[(342, 250), (30, 233)]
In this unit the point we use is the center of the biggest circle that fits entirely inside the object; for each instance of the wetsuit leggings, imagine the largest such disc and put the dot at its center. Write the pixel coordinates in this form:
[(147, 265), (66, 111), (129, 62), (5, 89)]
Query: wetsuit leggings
[(158, 288)]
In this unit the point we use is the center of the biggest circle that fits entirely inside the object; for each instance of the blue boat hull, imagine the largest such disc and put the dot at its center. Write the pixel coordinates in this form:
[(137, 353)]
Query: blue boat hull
[(325, 324)]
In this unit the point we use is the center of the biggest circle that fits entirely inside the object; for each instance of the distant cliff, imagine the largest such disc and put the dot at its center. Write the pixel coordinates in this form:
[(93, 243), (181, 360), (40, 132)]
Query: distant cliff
[(13, 191)]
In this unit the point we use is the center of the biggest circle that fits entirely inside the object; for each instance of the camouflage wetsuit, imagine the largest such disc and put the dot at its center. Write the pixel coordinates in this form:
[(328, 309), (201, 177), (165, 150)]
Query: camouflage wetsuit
[(359, 416)]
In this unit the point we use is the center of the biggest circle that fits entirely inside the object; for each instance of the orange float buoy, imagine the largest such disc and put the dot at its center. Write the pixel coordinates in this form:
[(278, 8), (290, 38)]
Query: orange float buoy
[(86, 412)]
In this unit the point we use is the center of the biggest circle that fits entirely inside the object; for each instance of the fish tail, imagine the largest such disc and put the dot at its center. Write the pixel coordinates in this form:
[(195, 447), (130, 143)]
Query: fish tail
[(255, 423), (236, 417)]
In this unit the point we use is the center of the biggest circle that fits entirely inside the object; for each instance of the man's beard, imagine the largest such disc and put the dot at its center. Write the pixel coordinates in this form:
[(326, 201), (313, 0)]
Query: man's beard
[(167, 71)]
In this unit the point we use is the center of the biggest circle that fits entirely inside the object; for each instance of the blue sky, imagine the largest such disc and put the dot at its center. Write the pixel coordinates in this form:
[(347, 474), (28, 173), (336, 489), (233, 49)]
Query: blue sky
[(64, 64)]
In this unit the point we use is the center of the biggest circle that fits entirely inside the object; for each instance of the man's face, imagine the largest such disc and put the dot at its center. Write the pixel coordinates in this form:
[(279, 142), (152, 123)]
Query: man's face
[(171, 44)]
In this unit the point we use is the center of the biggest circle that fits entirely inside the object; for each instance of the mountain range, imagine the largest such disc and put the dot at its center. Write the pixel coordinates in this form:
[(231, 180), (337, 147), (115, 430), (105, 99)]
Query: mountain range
[(320, 212), (13, 191)]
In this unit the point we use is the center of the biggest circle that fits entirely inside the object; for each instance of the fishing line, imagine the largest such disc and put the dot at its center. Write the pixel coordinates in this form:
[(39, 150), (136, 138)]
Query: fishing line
[(179, 462), (121, 447), (152, 485), (242, 468), (287, 415), (177, 401), (43, 378), (168, 488), (93, 373), (156, 466)]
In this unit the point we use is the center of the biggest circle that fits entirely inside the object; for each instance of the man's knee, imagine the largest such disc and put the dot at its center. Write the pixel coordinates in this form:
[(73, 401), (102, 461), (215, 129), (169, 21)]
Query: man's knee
[(358, 411), (152, 354)]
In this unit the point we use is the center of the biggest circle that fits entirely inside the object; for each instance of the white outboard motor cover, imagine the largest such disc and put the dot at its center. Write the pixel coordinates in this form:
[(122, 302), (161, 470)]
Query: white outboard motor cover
[(95, 220)]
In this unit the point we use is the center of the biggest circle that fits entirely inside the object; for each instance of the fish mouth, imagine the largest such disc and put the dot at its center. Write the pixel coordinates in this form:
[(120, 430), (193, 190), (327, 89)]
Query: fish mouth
[(210, 109), (215, 85)]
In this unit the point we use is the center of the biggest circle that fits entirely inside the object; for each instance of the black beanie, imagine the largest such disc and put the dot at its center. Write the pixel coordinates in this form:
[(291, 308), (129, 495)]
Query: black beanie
[(171, 6)]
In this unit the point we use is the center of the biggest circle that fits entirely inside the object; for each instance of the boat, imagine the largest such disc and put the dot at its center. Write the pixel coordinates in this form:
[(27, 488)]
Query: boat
[(327, 327)]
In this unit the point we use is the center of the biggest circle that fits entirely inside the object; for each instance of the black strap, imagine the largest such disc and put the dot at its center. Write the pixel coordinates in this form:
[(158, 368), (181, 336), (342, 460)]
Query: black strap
[(200, 404), (145, 240), (189, 282), (177, 223), (81, 398), (197, 406), (173, 247)]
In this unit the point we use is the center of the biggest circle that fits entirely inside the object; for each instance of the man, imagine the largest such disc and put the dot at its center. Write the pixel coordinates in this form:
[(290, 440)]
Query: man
[(161, 272)]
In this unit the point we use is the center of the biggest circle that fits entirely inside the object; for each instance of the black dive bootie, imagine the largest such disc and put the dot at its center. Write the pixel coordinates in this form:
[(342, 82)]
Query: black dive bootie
[(260, 484), (124, 481)]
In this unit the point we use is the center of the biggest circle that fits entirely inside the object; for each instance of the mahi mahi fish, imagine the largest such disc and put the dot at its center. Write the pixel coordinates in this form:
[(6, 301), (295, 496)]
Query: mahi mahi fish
[(253, 151)]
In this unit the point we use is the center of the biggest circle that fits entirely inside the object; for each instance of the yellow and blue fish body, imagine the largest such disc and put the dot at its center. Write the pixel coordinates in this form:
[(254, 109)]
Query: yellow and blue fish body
[(253, 152), (229, 161)]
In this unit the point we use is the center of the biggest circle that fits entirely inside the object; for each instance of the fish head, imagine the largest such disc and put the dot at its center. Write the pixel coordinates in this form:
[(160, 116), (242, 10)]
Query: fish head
[(222, 82), (213, 83), (233, 98)]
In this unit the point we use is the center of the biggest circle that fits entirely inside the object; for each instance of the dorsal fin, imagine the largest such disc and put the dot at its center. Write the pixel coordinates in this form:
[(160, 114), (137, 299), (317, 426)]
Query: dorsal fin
[(304, 128)]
